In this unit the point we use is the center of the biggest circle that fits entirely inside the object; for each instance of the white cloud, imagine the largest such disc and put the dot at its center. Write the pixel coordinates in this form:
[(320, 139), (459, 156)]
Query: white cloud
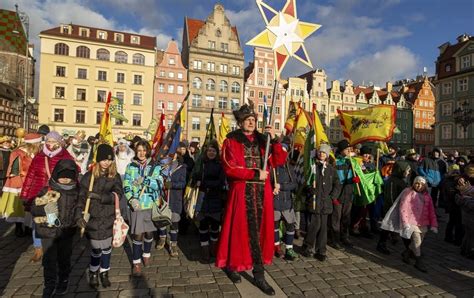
[(394, 62)]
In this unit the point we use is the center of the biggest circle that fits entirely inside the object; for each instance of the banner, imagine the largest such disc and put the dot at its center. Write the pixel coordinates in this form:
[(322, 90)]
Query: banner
[(224, 129), (105, 131)]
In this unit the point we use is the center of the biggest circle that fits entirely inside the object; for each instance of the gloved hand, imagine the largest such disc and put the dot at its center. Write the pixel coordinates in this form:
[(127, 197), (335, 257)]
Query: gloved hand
[(134, 204), (434, 230), (356, 179), (336, 202), (94, 196), (81, 223)]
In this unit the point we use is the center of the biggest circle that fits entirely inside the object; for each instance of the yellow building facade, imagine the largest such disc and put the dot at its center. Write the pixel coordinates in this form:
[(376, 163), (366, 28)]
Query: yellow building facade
[(80, 65)]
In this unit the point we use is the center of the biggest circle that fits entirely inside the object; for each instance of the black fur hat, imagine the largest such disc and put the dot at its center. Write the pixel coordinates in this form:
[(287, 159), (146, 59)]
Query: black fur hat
[(245, 111)]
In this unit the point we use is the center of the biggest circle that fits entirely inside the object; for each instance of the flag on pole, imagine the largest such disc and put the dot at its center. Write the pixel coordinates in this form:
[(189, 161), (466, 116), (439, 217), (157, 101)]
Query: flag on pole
[(265, 112), (224, 129), (291, 118), (105, 131), (370, 124), (321, 137), (159, 136), (370, 185), (211, 131), (116, 109), (301, 129)]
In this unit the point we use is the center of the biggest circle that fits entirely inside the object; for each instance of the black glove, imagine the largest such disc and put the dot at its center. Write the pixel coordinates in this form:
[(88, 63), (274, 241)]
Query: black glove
[(81, 223), (94, 195)]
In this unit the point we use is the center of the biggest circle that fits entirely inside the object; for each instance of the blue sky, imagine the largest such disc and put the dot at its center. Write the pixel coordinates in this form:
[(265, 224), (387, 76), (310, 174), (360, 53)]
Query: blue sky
[(362, 40)]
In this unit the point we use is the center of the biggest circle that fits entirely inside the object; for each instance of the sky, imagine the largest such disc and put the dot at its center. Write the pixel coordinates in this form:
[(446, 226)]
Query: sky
[(366, 41)]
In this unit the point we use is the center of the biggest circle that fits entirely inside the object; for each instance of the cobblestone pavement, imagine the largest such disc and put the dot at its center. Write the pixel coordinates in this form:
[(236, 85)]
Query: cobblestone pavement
[(360, 271)]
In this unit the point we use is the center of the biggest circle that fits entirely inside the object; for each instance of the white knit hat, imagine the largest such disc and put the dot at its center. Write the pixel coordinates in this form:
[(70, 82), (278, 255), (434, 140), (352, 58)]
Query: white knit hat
[(419, 179)]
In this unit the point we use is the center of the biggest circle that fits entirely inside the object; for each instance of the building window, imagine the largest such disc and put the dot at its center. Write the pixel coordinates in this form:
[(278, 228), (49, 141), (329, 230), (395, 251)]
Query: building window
[(80, 116), (102, 75), (60, 71), (447, 68), (252, 93), (135, 39), (260, 109), (211, 44), (120, 77), (161, 88), (58, 115), (101, 95), (118, 37), (460, 134), (234, 104), (197, 64), (170, 106), (61, 49), (223, 68), (466, 61), (260, 70), (120, 96), (197, 100), (446, 132), (137, 79), (211, 66), (136, 120), (137, 99), (179, 89), (277, 125), (101, 35), (98, 117), (218, 33), (223, 87), (260, 82), (462, 85), (60, 92), (260, 94), (171, 75), (103, 54), (197, 83), (170, 122), (138, 59), (81, 94), (236, 70), (121, 57), (82, 73), (447, 88), (118, 122), (222, 102), (277, 110), (171, 61), (83, 52), (224, 47), (270, 83), (162, 73), (171, 89), (235, 87), (84, 32), (447, 109), (211, 85), (196, 123), (180, 75)]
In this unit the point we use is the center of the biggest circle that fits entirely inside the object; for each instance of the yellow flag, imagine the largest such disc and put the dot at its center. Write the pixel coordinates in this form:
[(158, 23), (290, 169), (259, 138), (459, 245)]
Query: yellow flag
[(105, 131), (224, 129), (301, 129), (371, 124), (321, 137)]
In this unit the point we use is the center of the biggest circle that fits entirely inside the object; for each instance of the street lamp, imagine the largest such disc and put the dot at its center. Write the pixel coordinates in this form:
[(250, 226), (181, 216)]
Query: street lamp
[(25, 21), (463, 115)]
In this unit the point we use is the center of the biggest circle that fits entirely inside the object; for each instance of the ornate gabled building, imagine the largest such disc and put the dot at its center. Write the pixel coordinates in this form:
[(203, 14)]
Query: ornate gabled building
[(213, 55)]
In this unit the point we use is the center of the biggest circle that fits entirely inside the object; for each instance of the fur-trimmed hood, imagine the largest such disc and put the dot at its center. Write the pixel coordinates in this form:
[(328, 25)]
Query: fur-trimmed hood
[(240, 137)]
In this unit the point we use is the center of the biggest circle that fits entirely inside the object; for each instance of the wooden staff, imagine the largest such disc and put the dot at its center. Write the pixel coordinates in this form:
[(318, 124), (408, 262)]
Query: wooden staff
[(378, 157), (267, 147), (88, 200), (353, 172)]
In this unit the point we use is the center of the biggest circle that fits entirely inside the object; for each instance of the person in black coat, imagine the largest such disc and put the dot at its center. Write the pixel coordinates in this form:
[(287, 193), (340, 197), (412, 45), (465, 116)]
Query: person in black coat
[(211, 181), (99, 226), (56, 233), (454, 229), (326, 192)]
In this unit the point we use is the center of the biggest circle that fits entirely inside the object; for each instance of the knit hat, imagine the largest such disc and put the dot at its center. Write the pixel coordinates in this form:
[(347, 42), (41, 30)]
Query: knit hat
[(104, 152), (31, 138), (182, 144), (67, 173), (365, 150), (54, 135), (454, 169), (43, 130), (343, 144), (325, 148), (419, 179)]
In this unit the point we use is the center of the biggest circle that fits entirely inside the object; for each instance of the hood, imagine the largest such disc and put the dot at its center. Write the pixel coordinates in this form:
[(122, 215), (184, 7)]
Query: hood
[(399, 169), (64, 164)]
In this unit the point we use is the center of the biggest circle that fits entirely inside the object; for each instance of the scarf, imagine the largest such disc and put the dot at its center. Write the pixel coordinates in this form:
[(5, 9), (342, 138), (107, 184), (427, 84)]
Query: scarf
[(51, 153)]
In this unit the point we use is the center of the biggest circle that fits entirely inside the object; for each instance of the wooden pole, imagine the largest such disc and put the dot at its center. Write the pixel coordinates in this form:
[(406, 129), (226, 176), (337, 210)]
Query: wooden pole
[(88, 200), (377, 161), (267, 147), (353, 172)]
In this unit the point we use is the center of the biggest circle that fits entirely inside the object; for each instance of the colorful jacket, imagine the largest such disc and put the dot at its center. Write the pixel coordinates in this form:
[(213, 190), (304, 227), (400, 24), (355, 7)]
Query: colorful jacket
[(137, 177), (416, 209), (344, 171), (430, 170)]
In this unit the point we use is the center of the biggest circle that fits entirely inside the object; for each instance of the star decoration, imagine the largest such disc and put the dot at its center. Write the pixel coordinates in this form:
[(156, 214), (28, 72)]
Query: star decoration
[(284, 34)]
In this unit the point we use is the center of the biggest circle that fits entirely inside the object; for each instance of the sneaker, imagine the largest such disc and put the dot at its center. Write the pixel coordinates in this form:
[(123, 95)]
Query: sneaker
[(37, 255), (94, 279), (161, 243), (104, 279), (62, 287), (278, 252), (263, 285), (174, 250), (290, 254), (320, 257)]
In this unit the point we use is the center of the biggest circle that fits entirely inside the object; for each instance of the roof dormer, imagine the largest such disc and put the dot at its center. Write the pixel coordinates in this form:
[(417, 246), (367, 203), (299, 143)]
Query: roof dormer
[(66, 29)]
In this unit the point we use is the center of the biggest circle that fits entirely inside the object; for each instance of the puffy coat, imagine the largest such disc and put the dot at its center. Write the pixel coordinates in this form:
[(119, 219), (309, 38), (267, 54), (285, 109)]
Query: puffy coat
[(151, 180), (465, 199), (178, 183), (430, 170), (67, 203), (102, 212), (395, 184), (37, 176), (212, 184), (328, 187), (286, 178)]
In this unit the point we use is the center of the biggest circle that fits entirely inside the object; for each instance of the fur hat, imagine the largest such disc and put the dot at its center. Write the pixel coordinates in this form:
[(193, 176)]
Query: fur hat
[(54, 135), (343, 144), (365, 150), (104, 151), (325, 148), (31, 138), (245, 111), (43, 130)]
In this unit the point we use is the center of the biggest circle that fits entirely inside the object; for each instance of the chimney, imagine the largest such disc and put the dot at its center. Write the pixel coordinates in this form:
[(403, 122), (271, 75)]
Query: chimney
[(389, 86), (462, 38), (443, 47)]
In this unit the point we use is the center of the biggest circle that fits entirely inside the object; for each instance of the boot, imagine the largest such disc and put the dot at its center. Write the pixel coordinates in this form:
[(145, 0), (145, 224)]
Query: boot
[(320, 257), (290, 254), (48, 292), (406, 256), (233, 276), (213, 248), (278, 252), (420, 265), (205, 254), (104, 279), (37, 255), (62, 287), (263, 285), (381, 247), (19, 230), (137, 270), (174, 250), (161, 243), (94, 279), (298, 234)]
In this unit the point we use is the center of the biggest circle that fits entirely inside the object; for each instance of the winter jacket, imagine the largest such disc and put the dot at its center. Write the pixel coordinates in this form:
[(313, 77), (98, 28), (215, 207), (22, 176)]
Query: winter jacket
[(344, 170), (416, 209), (395, 184), (448, 193), (18, 166), (178, 173), (102, 211), (148, 176), (465, 199), (212, 180), (67, 202), (286, 178), (37, 176), (414, 169), (430, 170), (328, 188)]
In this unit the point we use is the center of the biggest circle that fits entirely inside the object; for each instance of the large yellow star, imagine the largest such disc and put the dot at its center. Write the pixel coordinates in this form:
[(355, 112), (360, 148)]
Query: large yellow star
[(284, 34)]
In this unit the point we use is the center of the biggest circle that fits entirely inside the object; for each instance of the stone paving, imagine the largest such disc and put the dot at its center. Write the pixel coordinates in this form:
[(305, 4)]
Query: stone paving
[(360, 271)]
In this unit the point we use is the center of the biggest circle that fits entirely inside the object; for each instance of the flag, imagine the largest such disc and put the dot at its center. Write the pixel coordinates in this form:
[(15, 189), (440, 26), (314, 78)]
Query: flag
[(105, 131), (309, 157), (301, 129), (321, 137), (211, 131), (370, 185), (116, 109), (370, 124), (173, 137), (291, 118), (224, 129), (158, 137), (265, 112)]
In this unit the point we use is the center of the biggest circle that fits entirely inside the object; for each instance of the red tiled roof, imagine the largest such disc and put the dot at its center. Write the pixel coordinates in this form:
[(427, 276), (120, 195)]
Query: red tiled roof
[(193, 26), (146, 42), (452, 49)]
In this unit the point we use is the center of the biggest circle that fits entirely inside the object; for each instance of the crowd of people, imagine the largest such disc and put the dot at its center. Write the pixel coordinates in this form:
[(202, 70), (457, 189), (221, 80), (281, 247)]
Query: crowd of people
[(248, 214)]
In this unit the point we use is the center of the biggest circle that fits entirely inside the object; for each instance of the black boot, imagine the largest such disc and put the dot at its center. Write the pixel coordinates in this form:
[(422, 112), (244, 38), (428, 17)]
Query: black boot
[(420, 265), (104, 279), (94, 279), (381, 247), (19, 230), (48, 292), (62, 286), (263, 285), (406, 256), (233, 276)]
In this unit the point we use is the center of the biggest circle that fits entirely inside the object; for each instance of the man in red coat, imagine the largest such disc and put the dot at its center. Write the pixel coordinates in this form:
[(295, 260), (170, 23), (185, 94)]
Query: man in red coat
[(246, 239)]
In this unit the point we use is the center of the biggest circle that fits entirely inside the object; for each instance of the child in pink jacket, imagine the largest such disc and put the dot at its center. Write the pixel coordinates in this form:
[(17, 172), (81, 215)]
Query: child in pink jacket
[(417, 216)]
